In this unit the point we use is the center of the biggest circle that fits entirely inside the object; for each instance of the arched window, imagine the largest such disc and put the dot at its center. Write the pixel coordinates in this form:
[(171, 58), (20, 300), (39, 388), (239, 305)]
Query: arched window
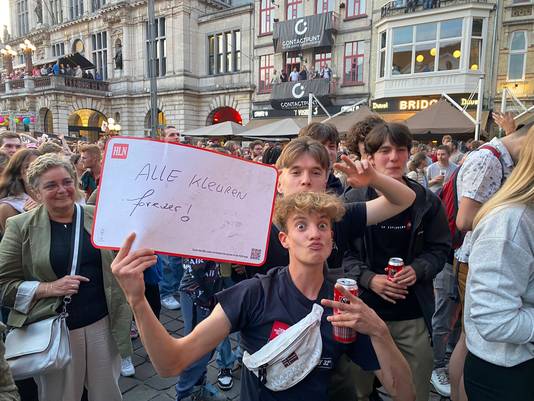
[(518, 56)]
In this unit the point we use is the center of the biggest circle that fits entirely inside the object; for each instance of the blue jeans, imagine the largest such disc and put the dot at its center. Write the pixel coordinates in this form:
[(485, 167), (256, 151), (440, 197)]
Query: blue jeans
[(445, 316), (194, 374), (172, 271)]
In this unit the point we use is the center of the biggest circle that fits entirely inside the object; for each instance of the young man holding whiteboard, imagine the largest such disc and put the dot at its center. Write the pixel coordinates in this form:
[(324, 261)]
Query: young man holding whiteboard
[(306, 231)]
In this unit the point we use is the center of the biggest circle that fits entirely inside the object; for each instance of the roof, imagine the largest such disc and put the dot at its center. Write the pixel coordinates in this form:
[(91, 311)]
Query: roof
[(440, 118), (345, 121)]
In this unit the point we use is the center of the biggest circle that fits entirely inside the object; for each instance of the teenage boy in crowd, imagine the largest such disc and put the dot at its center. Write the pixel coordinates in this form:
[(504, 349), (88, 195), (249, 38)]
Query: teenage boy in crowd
[(328, 135), (255, 306), (439, 172), (481, 175), (420, 236), (91, 159), (10, 143), (304, 166)]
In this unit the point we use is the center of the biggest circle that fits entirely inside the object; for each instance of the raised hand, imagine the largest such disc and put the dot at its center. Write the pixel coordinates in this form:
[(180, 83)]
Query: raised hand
[(359, 173), (128, 268)]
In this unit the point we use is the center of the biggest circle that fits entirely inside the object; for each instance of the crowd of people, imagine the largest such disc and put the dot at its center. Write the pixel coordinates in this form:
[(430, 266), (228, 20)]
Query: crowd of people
[(52, 69), (458, 315), (304, 73)]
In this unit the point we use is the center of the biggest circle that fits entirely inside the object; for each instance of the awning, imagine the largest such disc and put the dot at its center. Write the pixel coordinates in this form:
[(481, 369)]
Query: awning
[(304, 33), (345, 121), (227, 128), (440, 118), (77, 59), (282, 128), (295, 95)]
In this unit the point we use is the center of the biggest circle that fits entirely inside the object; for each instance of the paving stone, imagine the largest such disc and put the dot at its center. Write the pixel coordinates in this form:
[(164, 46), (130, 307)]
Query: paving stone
[(162, 397), (161, 383), (173, 325), (127, 383), (140, 393), (138, 360), (145, 371)]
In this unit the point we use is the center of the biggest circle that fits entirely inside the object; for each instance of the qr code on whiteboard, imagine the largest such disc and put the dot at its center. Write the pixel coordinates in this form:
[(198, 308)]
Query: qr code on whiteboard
[(255, 254)]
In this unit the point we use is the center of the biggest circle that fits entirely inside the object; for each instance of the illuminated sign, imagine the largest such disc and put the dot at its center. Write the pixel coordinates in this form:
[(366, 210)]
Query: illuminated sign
[(417, 103)]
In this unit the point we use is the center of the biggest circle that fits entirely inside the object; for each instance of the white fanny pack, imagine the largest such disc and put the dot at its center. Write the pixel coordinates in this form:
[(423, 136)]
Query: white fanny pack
[(290, 357)]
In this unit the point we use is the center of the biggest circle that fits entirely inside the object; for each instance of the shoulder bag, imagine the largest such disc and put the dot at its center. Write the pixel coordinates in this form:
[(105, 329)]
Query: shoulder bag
[(43, 347)]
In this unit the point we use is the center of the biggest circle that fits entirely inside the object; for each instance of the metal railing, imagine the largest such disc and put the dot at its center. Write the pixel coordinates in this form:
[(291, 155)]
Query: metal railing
[(33, 84), (400, 7)]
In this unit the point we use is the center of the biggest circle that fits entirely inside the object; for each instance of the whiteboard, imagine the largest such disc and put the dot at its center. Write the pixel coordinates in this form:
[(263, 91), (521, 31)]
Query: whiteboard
[(183, 200)]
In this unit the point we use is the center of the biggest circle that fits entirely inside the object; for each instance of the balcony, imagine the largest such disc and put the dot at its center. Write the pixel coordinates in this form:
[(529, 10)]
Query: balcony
[(36, 85), (402, 7), (295, 95)]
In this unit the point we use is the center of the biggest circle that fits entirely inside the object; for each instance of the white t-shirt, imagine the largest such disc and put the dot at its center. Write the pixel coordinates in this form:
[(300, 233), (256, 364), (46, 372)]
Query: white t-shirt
[(434, 170)]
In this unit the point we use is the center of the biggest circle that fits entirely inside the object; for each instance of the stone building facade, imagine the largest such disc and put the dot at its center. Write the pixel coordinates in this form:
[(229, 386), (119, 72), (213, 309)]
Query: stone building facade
[(204, 64)]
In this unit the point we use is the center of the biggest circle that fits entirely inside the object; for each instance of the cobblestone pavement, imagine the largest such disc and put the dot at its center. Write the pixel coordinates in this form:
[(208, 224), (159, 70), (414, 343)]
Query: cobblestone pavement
[(147, 385)]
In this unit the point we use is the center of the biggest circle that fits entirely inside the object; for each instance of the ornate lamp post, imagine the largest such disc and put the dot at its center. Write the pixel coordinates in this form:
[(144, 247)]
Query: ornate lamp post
[(113, 128), (8, 54), (27, 49)]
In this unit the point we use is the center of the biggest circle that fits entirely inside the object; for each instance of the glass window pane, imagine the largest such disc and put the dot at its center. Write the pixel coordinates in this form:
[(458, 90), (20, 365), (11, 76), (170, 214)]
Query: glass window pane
[(402, 35), (383, 40), (518, 41), (425, 32), (348, 49), (162, 26), (238, 40), (449, 56), (477, 27), (382, 63), (425, 58), (474, 56), (402, 60), (451, 28), (515, 68)]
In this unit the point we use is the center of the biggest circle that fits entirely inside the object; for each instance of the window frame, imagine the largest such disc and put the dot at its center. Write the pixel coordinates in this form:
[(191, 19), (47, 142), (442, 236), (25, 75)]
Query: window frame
[(322, 52), (268, 11), (224, 51), (295, 6), (511, 52), (323, 3), (354, 56), (362, 10), (23, 15), (99, 51), (268, 69), (160, 42)]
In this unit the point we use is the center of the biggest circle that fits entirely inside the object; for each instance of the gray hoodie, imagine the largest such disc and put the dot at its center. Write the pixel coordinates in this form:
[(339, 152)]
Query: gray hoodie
[(499, 304)]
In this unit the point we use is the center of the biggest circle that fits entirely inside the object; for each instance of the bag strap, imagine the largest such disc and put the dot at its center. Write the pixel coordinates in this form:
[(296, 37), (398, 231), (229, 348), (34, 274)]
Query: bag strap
[(76, 240)]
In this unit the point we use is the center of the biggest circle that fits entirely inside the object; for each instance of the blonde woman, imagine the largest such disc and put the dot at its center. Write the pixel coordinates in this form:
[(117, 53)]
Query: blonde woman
[(499, 305)]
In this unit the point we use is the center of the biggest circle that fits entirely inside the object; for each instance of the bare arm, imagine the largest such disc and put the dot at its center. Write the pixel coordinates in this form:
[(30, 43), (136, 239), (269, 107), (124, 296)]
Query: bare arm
[(6, 211), (397, 195), (169, 355), (467, 210)]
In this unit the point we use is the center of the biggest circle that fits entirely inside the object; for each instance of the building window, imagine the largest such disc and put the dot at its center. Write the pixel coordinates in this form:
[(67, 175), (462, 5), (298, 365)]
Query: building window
[(434, 46), (295, 9), (324, 6), (58, 49), (224, 53), (353, 63), (100, 54), (97, 4), (475, 55), (518, 56), (75, 9), (266, 16), (266, 73), (382, 55), (22, 17), (355, 8), (56, 11), (322, 58), (160, 43)]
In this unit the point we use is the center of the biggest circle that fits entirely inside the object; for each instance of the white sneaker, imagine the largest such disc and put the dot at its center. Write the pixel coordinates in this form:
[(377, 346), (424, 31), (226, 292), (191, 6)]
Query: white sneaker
[(440, 381), (127, 367), (169, 302)]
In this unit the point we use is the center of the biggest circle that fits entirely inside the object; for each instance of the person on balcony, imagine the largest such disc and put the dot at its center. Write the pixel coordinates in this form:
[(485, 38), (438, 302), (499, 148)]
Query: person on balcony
[(44, 71), (303, 74), (313, 74), (90, 75), (283, 76), (326, 72), (68, 70), (275, 79), (55, 68), (294, 76), (36, 72), (78, 73)]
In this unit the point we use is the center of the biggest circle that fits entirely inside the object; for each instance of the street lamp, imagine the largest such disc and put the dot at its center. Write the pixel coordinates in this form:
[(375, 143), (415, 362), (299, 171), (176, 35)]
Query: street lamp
[(27, 49), (8, 54), (113, 128)]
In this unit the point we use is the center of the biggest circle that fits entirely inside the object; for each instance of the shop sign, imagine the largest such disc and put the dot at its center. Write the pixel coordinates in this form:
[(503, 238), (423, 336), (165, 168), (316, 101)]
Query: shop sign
[(413, 103)]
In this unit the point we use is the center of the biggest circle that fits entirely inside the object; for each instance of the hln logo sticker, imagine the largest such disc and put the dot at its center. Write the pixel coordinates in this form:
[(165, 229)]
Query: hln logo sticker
[(119, 151)]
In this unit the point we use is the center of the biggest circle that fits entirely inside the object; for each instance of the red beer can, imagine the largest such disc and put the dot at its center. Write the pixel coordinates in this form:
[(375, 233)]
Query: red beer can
[(344, 335), (395, 265)]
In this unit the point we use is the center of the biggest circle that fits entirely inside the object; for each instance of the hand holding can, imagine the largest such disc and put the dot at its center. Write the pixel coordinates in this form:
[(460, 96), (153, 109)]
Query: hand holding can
[(395, 265), (344, 335)]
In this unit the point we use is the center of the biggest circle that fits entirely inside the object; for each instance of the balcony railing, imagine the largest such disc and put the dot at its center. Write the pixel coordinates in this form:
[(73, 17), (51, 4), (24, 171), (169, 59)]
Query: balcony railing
[(62, 83), (400, 7)]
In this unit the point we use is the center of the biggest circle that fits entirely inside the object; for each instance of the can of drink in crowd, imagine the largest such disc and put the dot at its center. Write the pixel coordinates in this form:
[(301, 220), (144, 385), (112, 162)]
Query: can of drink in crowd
[(344, 334), (443, 172), (395, 265)]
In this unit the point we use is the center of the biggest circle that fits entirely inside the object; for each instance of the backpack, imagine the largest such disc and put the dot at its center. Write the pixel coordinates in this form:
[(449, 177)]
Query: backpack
[(449, 197)]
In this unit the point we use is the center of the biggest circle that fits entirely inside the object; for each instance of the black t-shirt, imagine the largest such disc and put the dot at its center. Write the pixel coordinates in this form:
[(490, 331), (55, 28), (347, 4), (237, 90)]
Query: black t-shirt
[(352, 225), (391, 238), (89, 304), (260, 306)]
